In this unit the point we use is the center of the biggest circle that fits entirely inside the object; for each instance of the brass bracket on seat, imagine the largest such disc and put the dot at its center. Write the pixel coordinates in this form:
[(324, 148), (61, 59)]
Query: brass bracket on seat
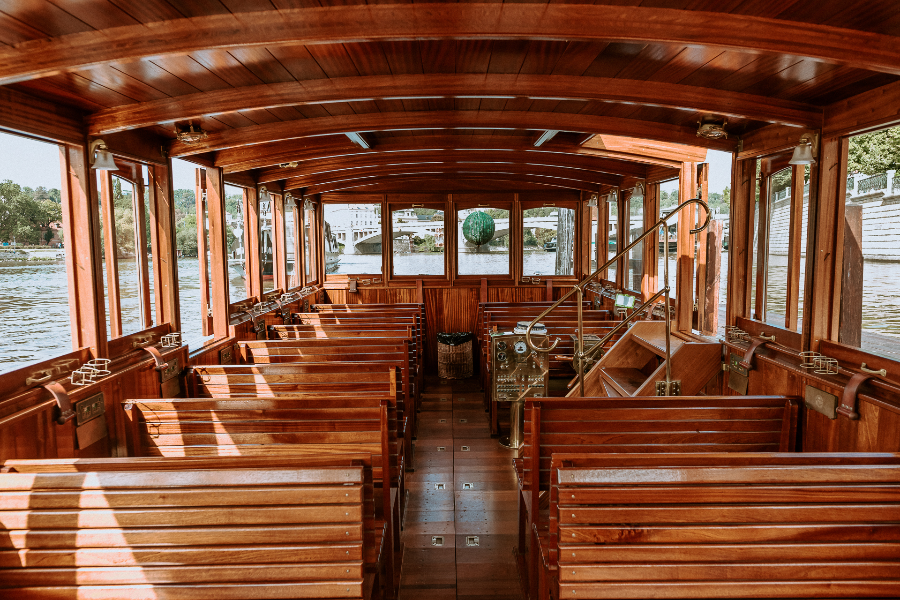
[(161, 364), (64, 412), (747, 362)]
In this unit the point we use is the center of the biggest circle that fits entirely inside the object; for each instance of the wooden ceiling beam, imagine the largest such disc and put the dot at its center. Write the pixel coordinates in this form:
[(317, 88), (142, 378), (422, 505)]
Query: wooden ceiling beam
[(304, 149), (572, 162), (567, 176), (339, 24), (348, 89), (452, 180), (288, 130)]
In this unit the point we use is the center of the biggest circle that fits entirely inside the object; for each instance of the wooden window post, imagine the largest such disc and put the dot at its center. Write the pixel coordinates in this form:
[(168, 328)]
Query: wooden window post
[(81, 224), (650, 276), (220, 298), (279, 260), (740, 257), (762, 246), (162, 239), (252, 253)]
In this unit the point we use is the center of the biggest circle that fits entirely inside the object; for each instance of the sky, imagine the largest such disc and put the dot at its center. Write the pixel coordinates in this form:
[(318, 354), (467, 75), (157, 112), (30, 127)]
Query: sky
[(31, 163)]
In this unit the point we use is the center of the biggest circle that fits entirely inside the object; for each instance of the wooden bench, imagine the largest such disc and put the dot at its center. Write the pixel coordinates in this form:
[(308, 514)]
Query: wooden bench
[(725, 525), (646, 425), (348, 366), (363, 319), (275, 427), (238, 532)]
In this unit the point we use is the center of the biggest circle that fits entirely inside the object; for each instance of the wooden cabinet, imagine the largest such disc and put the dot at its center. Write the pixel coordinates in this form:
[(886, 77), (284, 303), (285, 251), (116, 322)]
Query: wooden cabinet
[(637, 361)]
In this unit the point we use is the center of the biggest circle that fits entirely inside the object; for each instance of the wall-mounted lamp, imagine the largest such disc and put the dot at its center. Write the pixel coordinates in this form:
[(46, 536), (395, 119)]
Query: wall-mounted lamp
[(592, 201), (308, 206), (263, 194), (806, 150), (637, 192), (100, 158), (612, 197)]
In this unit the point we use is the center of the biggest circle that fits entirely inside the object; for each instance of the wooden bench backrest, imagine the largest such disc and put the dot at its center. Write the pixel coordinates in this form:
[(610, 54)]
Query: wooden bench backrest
[(293, 378), (183, 534), (264, 427), (684, 424), (727, 526)]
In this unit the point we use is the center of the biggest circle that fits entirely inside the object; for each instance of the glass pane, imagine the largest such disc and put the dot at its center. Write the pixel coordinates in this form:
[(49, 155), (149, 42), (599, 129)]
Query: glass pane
[(870, 296), (777, 255), (235, 242), (548, 241), (330, 244), (636, 255), (266, 243), (483, 241), (612, 237), (593, 247), (188, 261), (357, 230), (418, 241), (289, 233), (34, 298), (126, 247), (668, 200)]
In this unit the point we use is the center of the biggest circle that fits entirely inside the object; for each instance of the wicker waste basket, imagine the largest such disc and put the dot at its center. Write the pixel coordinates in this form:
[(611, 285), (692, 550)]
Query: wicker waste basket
[(454, 355)]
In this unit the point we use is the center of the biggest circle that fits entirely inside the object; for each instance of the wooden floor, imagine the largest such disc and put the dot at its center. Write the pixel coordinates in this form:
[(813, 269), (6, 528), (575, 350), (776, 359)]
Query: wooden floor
[(452, 417)]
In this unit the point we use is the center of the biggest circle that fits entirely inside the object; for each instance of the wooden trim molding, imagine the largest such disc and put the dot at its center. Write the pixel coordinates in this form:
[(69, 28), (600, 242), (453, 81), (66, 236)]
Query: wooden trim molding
[(340, 24)]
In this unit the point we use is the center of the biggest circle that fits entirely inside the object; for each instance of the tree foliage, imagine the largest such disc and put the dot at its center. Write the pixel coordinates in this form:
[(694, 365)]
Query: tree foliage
[(24, 212), (875, 153)]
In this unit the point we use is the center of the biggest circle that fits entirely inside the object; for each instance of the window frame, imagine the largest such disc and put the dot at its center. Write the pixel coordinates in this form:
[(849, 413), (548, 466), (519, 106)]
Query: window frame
[(393, 205), (319, 250), (512, 207), (574, 205)]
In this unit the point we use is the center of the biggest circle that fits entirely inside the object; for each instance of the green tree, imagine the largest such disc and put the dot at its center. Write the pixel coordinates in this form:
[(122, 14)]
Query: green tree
[(22, 216), (875, 153)]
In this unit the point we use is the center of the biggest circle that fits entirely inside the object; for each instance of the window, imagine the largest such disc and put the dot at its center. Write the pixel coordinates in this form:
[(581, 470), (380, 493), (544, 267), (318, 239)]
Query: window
[(235, 243), (870, 296), (612, 236), (289, 246), (594, 247), (267, 241), (352, 238), (668, 200), (34, 298), (483, 240), (332, 256), (417, 241), (548, 240), (633, 225)]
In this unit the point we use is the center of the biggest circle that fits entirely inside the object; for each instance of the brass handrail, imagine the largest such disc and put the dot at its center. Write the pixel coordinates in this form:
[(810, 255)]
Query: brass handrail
[(579, 289)]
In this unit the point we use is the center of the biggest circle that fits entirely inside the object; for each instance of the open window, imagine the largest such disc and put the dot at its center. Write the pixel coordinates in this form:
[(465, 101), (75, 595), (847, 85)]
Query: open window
[(870, 244), (352, 238), (417, 240), (483, 236), (548, 238)]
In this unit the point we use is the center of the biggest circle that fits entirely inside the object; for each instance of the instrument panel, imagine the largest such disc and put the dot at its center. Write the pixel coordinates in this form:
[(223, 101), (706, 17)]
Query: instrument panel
[(517, 372)]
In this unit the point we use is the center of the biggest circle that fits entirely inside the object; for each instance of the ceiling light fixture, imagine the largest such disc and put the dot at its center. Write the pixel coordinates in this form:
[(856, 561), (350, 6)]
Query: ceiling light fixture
[(545, 137), (712, 129), (189, 135), (290, 165), (806, 150), (100, 157), (358, 139)]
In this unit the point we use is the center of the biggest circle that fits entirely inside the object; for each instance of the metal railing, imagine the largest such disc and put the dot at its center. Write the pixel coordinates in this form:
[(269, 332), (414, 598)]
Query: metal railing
[(870, 184), (580, 356)]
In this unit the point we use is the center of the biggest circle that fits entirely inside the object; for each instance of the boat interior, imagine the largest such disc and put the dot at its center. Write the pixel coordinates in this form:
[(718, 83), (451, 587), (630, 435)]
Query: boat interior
[(628, 411)]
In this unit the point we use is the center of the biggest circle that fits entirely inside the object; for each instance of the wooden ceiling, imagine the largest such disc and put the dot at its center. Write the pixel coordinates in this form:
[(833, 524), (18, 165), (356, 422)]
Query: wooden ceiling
[(446, 94)]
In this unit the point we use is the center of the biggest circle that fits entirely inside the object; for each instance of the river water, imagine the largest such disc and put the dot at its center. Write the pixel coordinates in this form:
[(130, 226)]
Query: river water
[(34, 312)]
